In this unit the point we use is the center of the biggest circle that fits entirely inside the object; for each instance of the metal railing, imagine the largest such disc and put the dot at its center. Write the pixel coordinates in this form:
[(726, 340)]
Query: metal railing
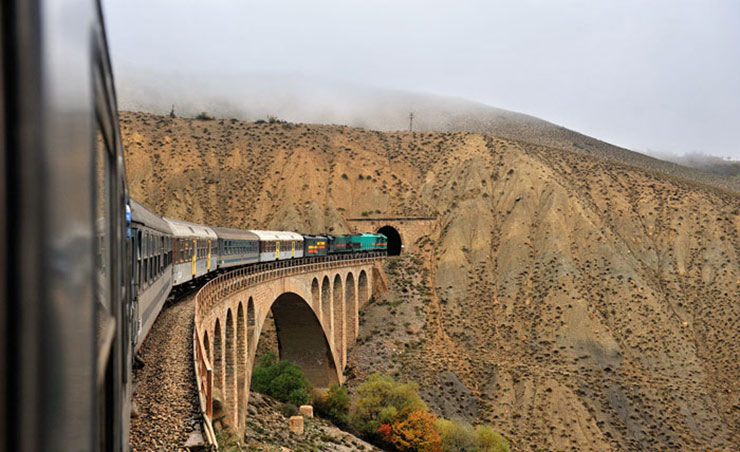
[(215, 290)]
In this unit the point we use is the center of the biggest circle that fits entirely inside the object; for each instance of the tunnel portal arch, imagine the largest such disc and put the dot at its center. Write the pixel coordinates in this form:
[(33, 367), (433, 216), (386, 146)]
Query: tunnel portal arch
[(395, 245)]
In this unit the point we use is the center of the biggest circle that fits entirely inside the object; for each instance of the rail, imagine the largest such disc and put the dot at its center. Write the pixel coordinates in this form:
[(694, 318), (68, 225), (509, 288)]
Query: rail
[(238, 280)]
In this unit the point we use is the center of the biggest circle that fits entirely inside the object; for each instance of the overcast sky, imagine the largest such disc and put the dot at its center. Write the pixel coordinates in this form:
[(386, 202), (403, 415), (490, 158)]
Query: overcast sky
[(644, 74)]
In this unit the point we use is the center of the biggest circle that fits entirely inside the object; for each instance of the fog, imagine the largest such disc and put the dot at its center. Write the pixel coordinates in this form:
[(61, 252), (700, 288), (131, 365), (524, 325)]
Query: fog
[(660, 75)]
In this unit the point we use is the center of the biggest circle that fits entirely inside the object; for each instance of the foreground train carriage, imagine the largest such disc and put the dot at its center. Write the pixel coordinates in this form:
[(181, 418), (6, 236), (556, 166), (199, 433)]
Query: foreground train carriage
[(236, 247), (194, 250), (65, 325), (151, 260), (279, 245)]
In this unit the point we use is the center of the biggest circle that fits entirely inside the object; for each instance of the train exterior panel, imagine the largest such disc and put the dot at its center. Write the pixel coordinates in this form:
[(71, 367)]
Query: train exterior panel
[(151, 261), (340, 244), (194, 250), (368, 242), (279, 245), (236, 247), (315, 245)]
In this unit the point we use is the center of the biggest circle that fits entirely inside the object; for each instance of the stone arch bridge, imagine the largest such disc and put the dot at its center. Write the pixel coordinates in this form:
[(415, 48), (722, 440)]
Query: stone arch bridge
[(315, 306)]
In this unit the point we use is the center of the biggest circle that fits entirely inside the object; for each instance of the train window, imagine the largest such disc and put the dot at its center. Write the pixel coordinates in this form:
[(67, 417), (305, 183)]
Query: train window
[(105, 319), (137, 271), (148, 259)]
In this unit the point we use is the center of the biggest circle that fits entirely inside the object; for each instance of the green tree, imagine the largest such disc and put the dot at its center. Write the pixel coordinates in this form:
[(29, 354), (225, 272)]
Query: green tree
[(282, 380), (456, 436), (333, 405), (460, 436), (489, 440)]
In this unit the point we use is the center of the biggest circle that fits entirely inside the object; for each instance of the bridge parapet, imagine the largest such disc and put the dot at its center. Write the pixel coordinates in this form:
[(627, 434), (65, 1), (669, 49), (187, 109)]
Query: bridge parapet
[(315, 305)]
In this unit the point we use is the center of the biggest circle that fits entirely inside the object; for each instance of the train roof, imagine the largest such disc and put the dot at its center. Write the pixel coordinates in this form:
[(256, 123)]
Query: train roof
[(234, 234), (142, 215), (278, 235), (366, 234), (181, 228)]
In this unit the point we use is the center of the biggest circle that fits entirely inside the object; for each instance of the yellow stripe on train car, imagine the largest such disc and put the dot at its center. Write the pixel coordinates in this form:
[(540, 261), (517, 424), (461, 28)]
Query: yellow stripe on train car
[(195, 254)]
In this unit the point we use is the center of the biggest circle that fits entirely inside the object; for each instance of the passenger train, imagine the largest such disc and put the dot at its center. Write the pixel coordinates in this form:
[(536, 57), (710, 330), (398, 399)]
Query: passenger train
[(86, 270), (169, 253)]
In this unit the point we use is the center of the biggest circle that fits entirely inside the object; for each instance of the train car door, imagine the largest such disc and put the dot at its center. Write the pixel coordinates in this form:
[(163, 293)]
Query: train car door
[(208, 262), (195, 254), (277, 250), (292, 251)]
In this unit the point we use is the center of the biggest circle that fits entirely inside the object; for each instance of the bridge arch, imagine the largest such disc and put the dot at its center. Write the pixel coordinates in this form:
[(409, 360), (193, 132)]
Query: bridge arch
[(338, 306), (326, 316), (207, 345), (230, 383), (350, 303), (251, 321), (363, 291), (218, 362), (316, 296), (395, 244), (241, 361), (301, 339)]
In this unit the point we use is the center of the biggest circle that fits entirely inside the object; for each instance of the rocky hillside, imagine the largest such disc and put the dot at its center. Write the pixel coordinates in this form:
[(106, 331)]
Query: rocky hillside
[(267, 430), (573, 302)]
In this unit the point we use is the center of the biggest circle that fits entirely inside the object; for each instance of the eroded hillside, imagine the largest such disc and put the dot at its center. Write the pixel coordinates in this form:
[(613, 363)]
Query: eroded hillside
[(575, 303)]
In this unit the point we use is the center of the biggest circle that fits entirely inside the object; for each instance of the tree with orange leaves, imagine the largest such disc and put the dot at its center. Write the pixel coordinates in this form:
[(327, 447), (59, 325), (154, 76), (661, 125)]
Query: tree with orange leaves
[(416, 433)]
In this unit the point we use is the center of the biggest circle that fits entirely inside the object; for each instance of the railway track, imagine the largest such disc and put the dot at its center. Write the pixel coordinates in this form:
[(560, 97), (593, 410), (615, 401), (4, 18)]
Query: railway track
[(165, 394)]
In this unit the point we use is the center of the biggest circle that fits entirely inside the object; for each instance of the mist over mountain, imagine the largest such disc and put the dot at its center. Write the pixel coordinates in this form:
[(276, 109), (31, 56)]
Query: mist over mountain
[(302, 99), (291, 98)]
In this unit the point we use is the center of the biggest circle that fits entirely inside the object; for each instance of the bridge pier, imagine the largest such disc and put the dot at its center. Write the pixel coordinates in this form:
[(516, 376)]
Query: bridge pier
[(315, 307)]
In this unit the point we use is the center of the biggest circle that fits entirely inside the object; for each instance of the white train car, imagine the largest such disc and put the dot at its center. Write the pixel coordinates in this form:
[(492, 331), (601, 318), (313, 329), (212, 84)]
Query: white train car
[(279, 245), (194, 250)]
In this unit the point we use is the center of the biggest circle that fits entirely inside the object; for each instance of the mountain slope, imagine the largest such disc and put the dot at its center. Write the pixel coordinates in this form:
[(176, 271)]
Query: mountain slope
[(574, 302)]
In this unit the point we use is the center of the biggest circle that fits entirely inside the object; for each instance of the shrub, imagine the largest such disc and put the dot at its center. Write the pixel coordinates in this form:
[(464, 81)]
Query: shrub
[(334, 405), (381, 400), (282, 380), (203, 116), (416, 433), (456, 436), (490, 440), (459, 436), (288, 409)]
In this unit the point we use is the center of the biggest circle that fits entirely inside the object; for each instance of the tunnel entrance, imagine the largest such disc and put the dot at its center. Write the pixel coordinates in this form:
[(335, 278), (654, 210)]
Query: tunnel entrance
[(301, 340), (394, 240)]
